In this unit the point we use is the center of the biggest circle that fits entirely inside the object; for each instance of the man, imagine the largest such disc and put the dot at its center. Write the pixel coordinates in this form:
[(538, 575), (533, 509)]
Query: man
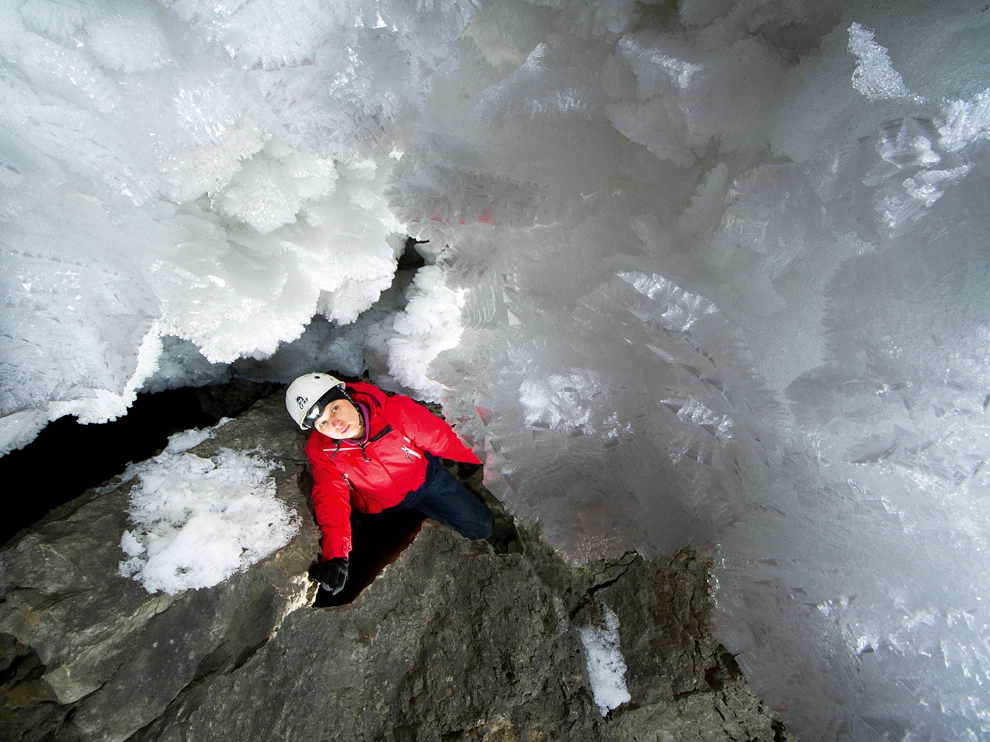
[(375, 452)]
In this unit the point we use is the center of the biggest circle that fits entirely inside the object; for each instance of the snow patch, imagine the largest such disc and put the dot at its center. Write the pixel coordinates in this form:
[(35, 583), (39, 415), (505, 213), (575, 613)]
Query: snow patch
[(606, 665), (196, 521)]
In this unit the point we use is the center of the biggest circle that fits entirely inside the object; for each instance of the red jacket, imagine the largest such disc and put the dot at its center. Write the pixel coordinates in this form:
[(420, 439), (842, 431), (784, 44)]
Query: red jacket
[(379, 473)]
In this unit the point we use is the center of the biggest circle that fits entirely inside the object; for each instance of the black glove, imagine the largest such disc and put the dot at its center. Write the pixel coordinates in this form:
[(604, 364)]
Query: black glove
[(331, 574)]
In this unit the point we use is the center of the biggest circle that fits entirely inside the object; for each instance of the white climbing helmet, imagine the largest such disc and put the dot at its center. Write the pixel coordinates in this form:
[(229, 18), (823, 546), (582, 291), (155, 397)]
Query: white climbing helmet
[(306, 392)]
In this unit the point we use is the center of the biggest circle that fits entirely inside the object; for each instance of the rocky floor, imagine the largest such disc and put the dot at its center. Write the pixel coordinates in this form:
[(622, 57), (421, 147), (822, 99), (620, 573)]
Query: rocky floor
[(453, 640)]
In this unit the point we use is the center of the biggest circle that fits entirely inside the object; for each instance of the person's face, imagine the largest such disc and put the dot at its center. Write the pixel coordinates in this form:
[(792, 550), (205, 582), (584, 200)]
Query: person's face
[(340, 419)]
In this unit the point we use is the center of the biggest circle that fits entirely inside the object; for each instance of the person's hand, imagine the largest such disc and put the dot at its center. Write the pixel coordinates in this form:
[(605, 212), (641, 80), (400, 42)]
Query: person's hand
[(331, 574)]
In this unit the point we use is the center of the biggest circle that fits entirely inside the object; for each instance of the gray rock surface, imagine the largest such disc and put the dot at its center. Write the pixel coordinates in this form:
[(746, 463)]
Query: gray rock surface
[(454, 640), (90, 654)]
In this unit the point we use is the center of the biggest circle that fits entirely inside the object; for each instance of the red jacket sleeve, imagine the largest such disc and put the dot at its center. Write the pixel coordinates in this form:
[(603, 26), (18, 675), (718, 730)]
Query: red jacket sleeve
[(332, 504), (428, 431)]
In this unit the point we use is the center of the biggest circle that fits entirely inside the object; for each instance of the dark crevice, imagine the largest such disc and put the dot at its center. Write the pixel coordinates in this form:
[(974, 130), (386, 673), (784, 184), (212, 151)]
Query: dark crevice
[(411, 259), (624, 563), (724, 670), (89, 455), (718, 707), (378, 541), (18, 663), (714, 678), (245, 654)]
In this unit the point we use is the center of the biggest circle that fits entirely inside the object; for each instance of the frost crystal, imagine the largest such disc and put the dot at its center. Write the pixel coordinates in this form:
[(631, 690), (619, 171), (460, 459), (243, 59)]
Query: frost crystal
[(606, 665), (197, 521)]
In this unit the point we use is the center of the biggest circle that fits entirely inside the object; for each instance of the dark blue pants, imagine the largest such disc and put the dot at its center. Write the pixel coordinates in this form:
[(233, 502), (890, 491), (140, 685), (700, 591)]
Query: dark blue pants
[(444, 499)]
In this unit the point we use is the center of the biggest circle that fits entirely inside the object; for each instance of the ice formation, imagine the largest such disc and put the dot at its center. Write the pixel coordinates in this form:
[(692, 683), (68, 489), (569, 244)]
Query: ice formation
[(606, 665), (701, 272), (197, 521)]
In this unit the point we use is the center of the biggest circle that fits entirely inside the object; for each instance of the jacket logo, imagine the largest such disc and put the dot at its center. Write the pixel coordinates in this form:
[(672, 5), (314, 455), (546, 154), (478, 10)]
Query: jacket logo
[(301, 401)]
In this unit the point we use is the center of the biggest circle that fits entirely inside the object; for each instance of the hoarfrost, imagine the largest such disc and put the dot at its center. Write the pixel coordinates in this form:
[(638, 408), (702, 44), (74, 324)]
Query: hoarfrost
[(197, 521), (606, 665)]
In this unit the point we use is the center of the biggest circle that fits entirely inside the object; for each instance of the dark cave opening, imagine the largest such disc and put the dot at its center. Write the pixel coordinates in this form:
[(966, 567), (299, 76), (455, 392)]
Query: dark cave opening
[(71, 458), (378, 541)]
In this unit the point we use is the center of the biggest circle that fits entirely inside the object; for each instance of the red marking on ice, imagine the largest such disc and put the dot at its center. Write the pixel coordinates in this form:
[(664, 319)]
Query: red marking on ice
[(488, 217), (485, 415)]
